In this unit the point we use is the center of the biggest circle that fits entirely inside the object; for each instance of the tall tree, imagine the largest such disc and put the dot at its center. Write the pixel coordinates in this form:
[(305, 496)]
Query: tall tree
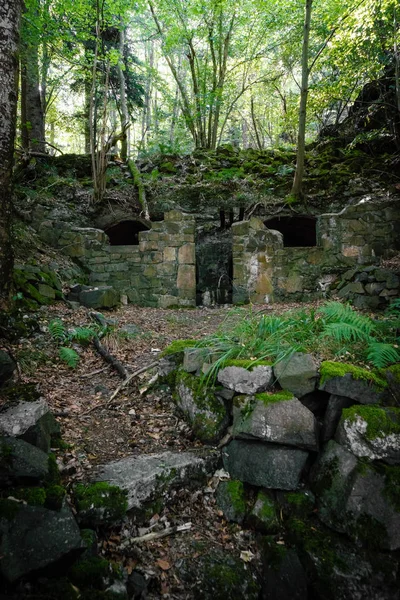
[(10, 11)]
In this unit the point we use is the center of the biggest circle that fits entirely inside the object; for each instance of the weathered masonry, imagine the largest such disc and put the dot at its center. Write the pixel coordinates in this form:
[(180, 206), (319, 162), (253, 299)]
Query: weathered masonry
[(158, 267)]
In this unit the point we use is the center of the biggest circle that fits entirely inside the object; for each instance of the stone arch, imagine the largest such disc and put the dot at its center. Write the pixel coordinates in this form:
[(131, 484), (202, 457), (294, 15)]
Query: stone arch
[(125, 232)]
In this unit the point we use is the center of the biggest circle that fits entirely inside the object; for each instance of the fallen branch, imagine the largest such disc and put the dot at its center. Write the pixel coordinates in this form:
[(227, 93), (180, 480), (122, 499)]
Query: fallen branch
[(85, 375), (114, 362), (121, 387), (149, 537)]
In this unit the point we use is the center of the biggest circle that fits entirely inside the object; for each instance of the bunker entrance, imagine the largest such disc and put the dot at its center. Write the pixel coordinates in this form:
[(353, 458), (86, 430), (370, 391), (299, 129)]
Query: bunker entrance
[(125, 233), (297, 231), (214, 268)]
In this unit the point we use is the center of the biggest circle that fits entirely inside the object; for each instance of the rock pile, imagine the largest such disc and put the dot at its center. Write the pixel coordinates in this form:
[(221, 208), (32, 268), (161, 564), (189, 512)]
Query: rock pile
[(315, 465), (369, 287)]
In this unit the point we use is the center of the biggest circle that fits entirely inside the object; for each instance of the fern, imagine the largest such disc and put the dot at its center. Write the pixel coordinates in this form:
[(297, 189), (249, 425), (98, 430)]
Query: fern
[(382, 355), (345, 333), (335, 312), (69, 356), (57, 330), (82, 334)]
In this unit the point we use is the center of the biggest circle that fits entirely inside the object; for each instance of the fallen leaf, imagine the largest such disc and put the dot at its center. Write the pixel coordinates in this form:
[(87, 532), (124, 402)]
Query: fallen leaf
[(247, 555), (163, 564)]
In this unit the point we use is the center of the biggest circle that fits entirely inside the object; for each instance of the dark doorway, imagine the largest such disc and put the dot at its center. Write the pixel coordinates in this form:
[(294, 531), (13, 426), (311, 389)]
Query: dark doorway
[(297, 231), (125, 233), (214, 268)]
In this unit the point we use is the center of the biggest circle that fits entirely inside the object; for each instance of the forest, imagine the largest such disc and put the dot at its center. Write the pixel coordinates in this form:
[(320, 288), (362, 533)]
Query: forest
[(221, 179)]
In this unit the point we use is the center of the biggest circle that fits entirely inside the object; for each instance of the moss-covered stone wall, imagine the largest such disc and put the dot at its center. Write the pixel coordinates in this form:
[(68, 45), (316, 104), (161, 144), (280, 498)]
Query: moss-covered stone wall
[(263, 269), (159, 272)]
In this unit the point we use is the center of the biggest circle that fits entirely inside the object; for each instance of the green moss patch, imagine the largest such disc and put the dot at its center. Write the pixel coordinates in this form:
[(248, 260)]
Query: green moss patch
[(330, 369), (392, 486), (100, 502), (380, 422), (90, 572), (271, 398), (237, 495), (178, 346), (245, 363)]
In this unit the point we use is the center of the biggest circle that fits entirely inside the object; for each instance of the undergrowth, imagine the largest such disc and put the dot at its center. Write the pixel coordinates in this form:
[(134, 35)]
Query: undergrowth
[(333, 331), (64, 338)]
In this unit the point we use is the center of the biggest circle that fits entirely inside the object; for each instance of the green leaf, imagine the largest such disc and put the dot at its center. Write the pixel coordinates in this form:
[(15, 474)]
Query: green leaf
[(69, 356)]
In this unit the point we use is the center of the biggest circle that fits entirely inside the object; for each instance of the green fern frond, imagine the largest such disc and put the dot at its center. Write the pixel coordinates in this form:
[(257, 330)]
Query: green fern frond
[(57, 330), (335, 312), (345, 333), (82, 334), (69, 356), (382, 355)]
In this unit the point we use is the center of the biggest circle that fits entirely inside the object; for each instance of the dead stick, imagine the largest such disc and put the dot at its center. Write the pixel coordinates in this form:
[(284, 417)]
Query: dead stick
[(120, 387), (115, 363), (159, 534), (94, 372)]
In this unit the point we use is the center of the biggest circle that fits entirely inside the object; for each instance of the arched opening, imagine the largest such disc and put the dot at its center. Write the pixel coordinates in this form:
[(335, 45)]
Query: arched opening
[(214, 267), (125, 233), (297, 231)]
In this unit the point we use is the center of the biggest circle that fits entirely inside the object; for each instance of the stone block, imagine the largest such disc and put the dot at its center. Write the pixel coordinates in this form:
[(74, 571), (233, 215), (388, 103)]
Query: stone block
[(186, 277), (30, 421), (264, 465), (46, 291), (169, 254), (116, 267), (298, 373), (167, 301), (243, 381), (186, 254)]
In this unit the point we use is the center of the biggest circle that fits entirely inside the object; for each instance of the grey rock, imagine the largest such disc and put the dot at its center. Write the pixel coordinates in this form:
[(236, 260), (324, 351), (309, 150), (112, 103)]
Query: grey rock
[(118, 590), (365, 302), (286, 422), (218, 575), (264, 465), (392, 281), (21, 462), (130, 329), (7, 367), (374, 288), (99, 297), (350, 289), (202, 408), (137, 585), (30, 421), (298, 374), (230, 498), (286, 580), (332, 415), (360, 390), (36, 538), (263, 515), (352, 433), (354, 499), (147, 477), (193, 359), (244, 381), (166, 365)]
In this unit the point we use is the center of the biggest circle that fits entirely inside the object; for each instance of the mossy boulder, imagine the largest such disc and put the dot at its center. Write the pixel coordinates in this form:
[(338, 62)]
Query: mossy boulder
[(275, 417), (298, 373), (357, 498), (247, 380), (264, 514), (352, 382), (218, 575), (371, 432), (30, 421), (100, 503), (22, 463), (203, 409), (37, 538), (231, 499)]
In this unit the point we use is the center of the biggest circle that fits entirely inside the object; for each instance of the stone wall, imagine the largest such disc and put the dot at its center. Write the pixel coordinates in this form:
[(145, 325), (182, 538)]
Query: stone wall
[(159, 272), (263, 269)]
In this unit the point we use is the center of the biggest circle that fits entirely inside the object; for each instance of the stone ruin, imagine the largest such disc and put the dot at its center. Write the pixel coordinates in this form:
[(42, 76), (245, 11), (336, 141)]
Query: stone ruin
[(292, 258)]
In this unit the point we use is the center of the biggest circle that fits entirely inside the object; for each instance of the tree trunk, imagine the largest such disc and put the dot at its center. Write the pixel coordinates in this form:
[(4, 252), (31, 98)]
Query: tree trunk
[(301, 137), (33, 117), (10, 12), (122, 93)]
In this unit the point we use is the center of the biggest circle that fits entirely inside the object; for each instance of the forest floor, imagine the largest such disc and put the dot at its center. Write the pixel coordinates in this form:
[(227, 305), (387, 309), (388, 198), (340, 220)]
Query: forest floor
[(140, 420)]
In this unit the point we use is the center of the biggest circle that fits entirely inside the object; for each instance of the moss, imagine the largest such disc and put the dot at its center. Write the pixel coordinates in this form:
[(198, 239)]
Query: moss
[(54, 496), (369, 531), (23, 392), (53, 476), (245, 363), (178, 346), (392, 486), (273, 553), (380, 422), (393, 372), (34, 496), (204, 398), (325, 476), (267, 513), (237, 496), (101, 502), (90, 572), (300, 504), (8, 509), (330, 369), (271, 398)]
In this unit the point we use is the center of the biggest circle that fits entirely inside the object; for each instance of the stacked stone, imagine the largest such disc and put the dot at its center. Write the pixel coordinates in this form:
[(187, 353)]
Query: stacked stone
[(324, 452), (369, 287)]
